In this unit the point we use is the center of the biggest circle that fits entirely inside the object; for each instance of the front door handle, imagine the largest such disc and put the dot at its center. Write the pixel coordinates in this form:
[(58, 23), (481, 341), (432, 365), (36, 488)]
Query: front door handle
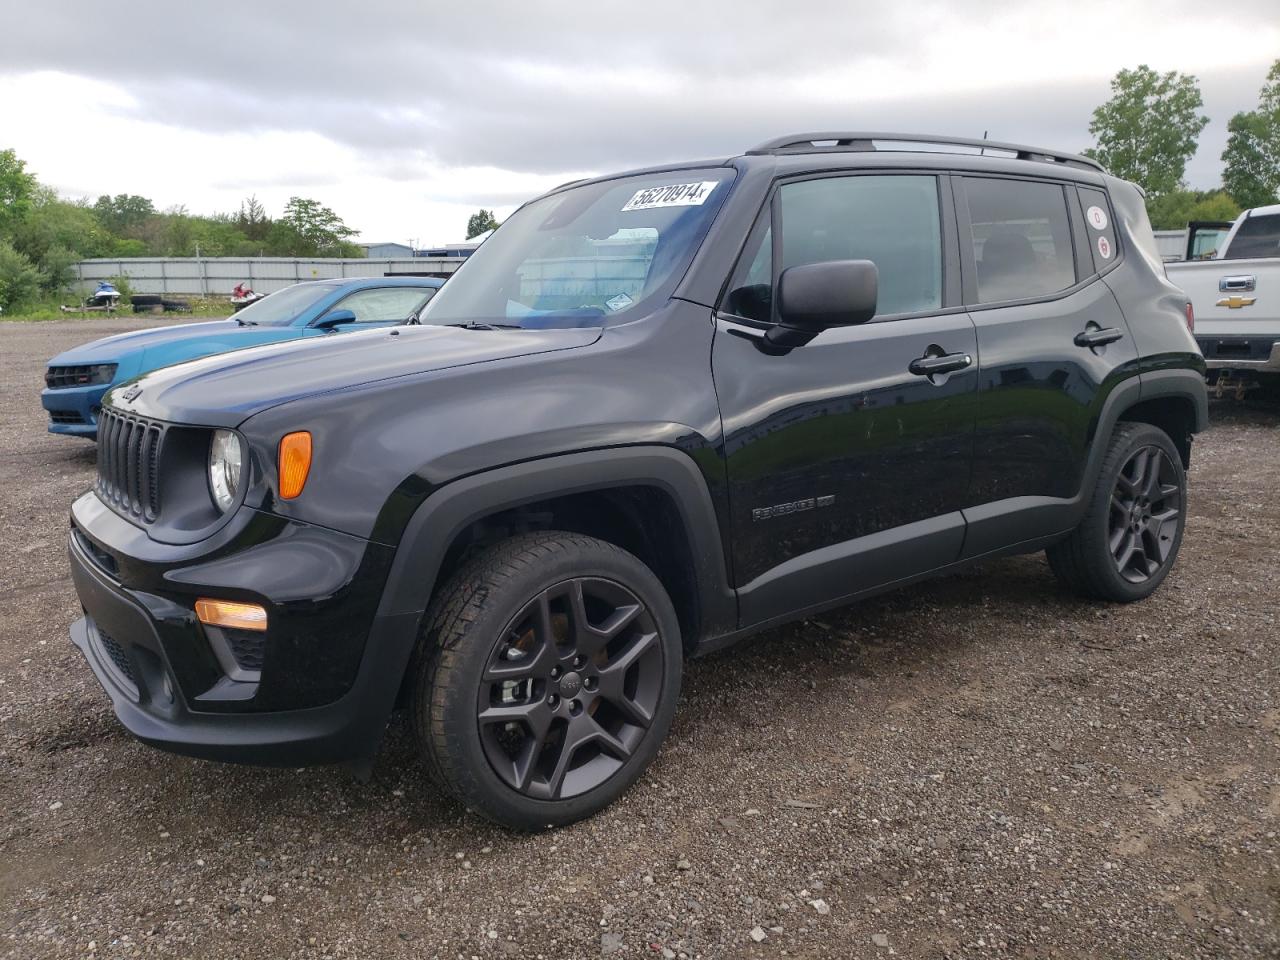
[(931, 366), (1098, 336)]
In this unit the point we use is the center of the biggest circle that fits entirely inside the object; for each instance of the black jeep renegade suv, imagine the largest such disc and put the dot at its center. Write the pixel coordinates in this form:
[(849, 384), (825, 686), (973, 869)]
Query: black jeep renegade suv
[(653, 413)]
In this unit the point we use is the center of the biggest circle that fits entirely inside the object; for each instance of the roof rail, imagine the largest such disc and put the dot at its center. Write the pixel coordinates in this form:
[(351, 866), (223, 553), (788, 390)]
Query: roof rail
[(828, 142)]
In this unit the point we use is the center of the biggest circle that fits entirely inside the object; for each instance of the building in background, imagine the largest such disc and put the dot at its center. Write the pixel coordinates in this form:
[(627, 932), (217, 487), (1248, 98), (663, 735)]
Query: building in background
[(384, 251)]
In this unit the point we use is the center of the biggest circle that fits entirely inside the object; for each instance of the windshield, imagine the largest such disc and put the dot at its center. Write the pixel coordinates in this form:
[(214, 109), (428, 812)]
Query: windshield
[(588, 256), (281, 308)]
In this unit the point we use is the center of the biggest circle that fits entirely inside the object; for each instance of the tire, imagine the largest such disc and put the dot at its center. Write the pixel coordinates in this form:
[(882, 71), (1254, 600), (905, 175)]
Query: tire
[(546, 678), (1129, 538)]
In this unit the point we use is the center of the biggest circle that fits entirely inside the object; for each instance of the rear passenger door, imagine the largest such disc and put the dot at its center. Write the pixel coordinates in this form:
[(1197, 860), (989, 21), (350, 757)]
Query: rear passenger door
[(847, 458), (1051, 342)]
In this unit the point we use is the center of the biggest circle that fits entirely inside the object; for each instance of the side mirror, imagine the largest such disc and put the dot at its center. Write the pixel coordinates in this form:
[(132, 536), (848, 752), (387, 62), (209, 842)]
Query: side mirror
[(815, 296), (333, 319)]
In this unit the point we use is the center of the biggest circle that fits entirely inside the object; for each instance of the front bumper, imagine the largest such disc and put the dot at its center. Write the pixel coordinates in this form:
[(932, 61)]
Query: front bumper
[(74, 410), (326, 685)]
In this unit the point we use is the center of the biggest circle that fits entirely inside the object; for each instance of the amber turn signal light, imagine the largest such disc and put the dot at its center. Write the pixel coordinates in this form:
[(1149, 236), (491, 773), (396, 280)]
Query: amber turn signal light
[(295, 462), (234, 616)]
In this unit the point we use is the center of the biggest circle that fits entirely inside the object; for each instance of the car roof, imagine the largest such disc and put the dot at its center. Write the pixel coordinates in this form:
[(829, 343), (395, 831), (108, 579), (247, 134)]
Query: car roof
[(396, 281), (875, 149)]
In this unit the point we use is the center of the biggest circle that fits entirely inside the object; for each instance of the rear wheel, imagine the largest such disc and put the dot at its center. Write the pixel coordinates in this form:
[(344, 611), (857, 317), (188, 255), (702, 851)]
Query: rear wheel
[(547, 677), (1128, 540)]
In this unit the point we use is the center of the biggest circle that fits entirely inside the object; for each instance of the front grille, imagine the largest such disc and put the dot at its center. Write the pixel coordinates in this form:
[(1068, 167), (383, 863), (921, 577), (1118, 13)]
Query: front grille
[(247, 648), (129, 464), (117, 655), (81, 375), (65, 416)]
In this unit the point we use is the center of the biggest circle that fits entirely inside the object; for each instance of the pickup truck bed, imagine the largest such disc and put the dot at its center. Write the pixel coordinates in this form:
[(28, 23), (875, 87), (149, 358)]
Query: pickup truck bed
[(1237, 302)]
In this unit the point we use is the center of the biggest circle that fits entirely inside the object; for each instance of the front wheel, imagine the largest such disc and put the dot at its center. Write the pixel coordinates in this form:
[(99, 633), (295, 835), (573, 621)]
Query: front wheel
[(1128, 540), (546, 679)]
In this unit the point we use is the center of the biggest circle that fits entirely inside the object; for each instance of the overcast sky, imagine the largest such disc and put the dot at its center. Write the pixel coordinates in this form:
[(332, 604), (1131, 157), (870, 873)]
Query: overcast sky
[(407, 117)]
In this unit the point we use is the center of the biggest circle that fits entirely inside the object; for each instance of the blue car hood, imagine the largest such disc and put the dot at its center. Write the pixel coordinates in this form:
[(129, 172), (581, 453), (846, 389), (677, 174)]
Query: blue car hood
[(227, 389), (112, 349)]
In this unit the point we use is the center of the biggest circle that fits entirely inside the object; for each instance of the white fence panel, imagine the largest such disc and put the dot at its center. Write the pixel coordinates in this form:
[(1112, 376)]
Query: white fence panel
[(218, 276)]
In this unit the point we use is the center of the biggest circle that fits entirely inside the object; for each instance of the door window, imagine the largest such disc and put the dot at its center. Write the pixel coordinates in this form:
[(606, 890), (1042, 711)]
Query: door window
[(385, 304), (891, 220), (1021, 238), (1257, 237)]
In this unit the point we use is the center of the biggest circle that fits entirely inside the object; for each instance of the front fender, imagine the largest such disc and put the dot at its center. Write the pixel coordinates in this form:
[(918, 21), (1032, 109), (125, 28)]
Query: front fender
[(448, 511)]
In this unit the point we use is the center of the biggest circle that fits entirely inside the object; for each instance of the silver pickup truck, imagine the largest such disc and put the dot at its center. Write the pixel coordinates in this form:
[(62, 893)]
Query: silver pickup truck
[(1236, 298)]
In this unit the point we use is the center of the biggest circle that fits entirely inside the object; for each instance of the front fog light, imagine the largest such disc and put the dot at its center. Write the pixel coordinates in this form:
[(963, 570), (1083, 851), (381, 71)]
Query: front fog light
[(226, 460)]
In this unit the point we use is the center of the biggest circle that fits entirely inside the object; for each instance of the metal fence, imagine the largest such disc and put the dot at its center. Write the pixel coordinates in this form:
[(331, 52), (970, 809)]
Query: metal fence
[(217, 276)]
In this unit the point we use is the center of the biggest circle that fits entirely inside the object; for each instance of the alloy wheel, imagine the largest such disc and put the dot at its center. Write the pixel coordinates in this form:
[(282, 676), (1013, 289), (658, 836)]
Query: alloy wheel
[(570, 688), (1146, 506)]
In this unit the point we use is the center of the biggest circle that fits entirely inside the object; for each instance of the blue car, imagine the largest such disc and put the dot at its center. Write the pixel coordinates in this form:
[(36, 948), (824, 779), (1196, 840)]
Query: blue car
[(76, 380)]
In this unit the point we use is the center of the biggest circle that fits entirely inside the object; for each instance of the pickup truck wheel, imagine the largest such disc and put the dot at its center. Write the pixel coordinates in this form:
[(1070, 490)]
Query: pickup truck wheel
[(546, 678), (1129, 537)]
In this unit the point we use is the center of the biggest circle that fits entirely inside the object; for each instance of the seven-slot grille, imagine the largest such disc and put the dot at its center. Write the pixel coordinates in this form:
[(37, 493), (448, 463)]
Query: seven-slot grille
[(129, 464)]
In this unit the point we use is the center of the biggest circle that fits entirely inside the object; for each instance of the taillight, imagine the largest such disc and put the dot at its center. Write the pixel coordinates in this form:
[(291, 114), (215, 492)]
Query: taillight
[(1191, 317)]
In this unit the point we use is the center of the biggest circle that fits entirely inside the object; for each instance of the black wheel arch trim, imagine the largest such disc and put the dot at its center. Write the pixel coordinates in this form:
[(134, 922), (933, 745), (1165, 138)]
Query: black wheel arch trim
[(449, 510), (1180, 382)]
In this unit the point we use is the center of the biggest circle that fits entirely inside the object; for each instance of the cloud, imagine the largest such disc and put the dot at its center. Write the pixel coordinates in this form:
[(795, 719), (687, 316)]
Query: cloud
[(524, 96)]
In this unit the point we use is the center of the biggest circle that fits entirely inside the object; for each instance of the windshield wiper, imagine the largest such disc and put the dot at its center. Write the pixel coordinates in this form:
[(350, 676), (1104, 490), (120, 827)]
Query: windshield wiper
[(481, 325), (246, 323)]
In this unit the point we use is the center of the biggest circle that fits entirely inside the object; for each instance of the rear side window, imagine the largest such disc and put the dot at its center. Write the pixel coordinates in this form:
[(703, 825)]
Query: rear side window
[(1100, 228), (1257, 237), (1021, 238)]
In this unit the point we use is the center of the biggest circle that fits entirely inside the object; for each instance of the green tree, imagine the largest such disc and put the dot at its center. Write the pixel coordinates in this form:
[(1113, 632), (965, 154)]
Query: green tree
[(123, 214), (53, 222), (1252, 158), (17, 189), (1173, 211), (252, 219), (480, 222), (19, 279), (310, 229), (1148, 130), (57, 269)]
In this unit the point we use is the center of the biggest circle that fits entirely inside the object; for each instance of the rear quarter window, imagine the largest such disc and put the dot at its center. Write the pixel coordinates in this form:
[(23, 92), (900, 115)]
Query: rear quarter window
[(1100, 228)]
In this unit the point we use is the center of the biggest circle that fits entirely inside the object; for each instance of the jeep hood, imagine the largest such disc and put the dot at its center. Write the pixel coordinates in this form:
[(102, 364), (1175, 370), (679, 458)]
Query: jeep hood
[(225, 390)]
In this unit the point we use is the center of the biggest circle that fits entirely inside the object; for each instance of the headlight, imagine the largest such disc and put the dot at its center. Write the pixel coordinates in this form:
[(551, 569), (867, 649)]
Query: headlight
[(226, 460)]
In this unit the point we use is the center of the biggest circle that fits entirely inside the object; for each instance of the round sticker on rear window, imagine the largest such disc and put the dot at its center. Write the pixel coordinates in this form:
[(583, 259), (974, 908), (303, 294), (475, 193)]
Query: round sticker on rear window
[(1097, 218), (1104, 248)]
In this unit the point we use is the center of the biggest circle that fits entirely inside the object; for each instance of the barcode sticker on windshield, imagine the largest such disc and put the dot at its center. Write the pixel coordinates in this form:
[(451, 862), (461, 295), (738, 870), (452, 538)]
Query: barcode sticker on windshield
[(672, 195)]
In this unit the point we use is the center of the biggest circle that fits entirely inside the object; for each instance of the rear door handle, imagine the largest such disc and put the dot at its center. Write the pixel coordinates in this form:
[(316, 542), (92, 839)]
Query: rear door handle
[(1242, 284), (930, 366), (1098, 336)]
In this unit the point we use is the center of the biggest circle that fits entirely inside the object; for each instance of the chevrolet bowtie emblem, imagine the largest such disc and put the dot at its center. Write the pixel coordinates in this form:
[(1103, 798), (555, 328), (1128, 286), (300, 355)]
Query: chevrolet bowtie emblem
[(1235, 302)]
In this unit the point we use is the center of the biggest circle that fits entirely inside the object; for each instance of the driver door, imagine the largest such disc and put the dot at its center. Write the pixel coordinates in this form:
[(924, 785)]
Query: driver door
[(847, 462)]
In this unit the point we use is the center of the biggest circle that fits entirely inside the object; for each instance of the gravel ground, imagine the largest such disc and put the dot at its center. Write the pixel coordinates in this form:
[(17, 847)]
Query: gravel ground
[(979, 766)]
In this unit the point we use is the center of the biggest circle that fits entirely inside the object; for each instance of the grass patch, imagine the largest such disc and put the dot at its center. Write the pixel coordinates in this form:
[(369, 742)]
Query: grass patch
[(213, 307)]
